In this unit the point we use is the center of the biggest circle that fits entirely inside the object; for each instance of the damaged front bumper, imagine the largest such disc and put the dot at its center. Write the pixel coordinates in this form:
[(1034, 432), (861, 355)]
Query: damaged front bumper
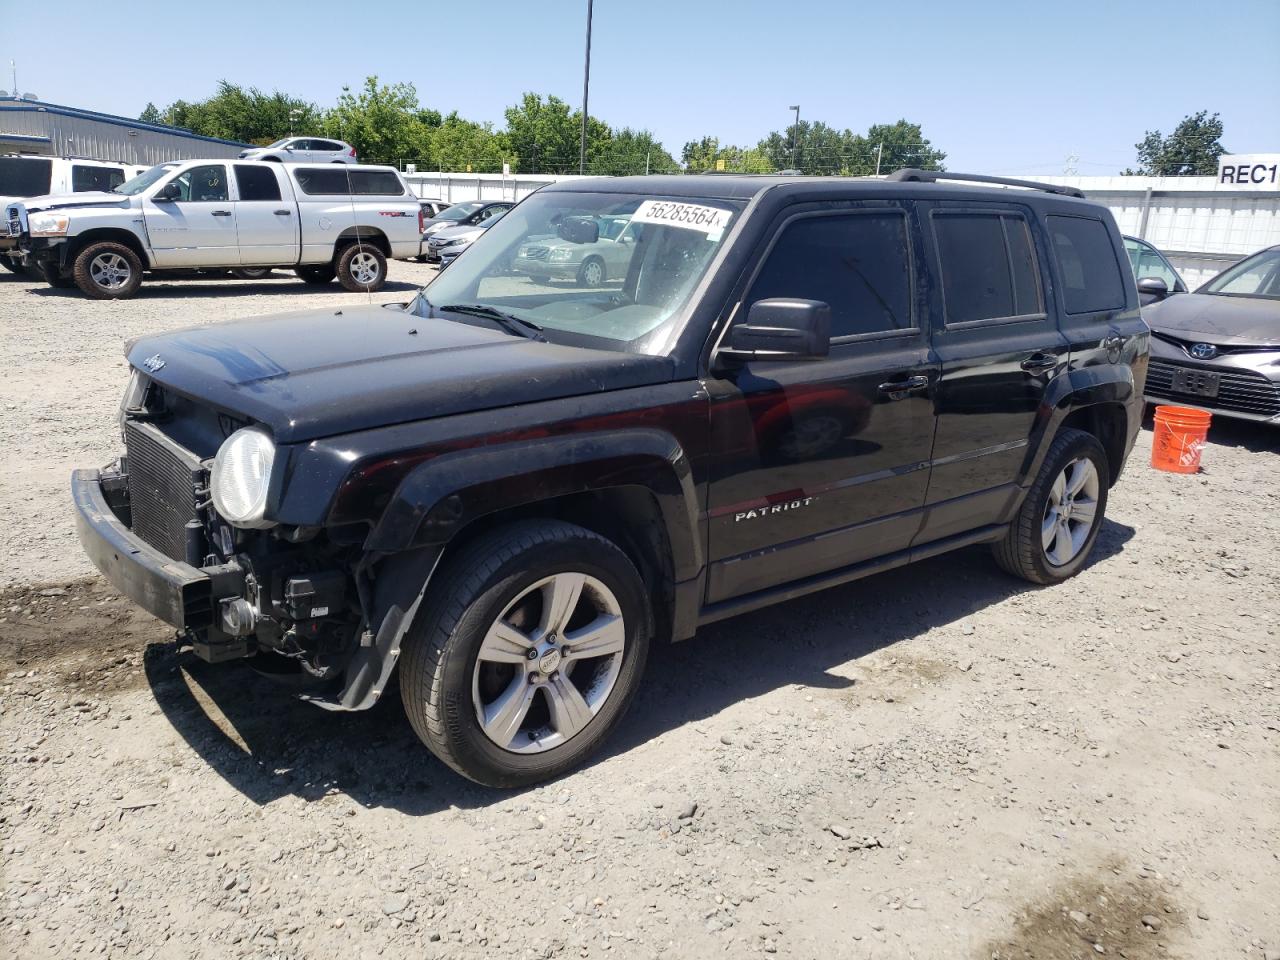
[(181, 595)]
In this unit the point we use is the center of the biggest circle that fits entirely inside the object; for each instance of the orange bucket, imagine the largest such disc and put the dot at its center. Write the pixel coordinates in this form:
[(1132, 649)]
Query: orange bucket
[(1179, 438)]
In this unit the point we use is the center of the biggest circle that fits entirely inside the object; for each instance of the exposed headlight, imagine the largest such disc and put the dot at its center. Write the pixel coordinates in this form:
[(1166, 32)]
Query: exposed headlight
[(455, 241), (239, 479), (561, 253), (133, 395), (48, 224)]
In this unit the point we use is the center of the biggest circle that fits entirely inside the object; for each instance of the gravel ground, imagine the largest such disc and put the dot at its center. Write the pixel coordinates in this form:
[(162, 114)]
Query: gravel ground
[(936, 762)]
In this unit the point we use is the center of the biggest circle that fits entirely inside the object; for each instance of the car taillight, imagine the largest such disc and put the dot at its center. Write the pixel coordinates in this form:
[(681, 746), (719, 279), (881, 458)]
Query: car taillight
[(422, 220), (353, 152)]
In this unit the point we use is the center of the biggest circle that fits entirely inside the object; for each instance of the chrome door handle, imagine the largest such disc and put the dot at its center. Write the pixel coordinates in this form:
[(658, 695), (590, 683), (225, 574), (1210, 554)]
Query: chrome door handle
[(899, 389), (222, 213), (1039, 361)]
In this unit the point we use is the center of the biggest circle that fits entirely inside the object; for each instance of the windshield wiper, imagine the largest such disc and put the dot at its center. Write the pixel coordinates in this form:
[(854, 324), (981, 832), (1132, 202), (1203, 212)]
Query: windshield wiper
[(508, 321)]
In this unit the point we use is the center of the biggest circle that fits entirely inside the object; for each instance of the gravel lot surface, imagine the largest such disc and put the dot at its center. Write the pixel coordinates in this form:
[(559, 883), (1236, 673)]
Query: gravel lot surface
[(936, 762)]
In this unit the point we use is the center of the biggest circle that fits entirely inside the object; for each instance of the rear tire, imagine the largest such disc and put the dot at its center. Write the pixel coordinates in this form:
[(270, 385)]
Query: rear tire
[(316, 275), (551, 703), (1057, 525), (53, 276), (107, 271), (591, 273), (251, 273), (361, 267)]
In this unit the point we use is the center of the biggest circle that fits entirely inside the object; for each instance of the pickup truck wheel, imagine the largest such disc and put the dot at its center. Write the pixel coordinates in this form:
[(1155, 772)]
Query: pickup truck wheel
[(107, 271), (1056, 526), (361, 267), (526, 652), (591, 273), (251, 273), (316, 276), (53, 276)]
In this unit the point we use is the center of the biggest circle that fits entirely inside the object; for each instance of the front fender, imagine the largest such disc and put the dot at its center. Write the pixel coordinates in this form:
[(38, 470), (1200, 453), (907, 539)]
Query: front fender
[(441, 496)]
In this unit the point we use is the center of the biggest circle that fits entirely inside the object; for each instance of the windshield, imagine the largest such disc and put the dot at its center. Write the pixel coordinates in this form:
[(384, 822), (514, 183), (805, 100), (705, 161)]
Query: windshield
[(143, 180), (601, 265), (459, 210), (1258, 276)]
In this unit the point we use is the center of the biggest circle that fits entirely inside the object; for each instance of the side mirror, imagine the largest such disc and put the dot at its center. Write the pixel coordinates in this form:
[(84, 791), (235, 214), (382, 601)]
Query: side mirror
[(289, 148), (578, 230), (1153, 287), (781, 329), (168, 193)]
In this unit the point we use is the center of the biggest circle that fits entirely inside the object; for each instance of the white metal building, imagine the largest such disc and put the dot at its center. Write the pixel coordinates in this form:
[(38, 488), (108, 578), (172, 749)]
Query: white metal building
[(48, 129)]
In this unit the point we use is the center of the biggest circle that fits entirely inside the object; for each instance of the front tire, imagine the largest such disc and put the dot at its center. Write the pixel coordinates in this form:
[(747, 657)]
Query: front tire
[(361, 268), (591, 273), (107, 271), (526, 652), (1055, 528)]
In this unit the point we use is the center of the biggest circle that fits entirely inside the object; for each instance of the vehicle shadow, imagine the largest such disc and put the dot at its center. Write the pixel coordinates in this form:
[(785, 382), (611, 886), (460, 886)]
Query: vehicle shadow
[(188, 289), (267, 745)]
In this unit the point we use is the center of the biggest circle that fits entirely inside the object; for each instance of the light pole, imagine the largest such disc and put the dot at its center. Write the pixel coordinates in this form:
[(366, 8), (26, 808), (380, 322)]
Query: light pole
[(293, 115), (586, 84), (795, 134)]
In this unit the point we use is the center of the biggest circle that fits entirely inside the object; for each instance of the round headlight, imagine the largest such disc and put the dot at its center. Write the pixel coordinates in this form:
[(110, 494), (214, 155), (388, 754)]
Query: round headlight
[(240, 475)]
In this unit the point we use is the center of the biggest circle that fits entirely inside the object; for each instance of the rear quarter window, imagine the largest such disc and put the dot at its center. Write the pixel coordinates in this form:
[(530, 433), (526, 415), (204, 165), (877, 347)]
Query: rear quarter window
[(1091, 277), (24, 176), (342, 181), (85, 178)]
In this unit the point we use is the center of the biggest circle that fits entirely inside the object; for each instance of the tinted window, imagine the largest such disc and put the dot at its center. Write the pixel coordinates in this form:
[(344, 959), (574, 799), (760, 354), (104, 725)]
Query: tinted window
[(325, 145), (257, 183), (340, 180), (24, 176), (859, 265), (203, 184), (1090, 274), (988, 266), (84, 178)]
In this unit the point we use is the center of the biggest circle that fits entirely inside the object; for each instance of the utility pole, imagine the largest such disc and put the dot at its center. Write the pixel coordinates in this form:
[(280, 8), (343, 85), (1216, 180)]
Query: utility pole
[(13, 65), (879, 155), (646, 162), (586, 85), (795, 134)]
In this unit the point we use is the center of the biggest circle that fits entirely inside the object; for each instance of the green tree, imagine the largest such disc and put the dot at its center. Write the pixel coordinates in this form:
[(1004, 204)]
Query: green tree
[(707, 154), (892, 146), (1192, 149), (236, 113), (457, 144), (546, 135), (812, 148), (628, 152), (384, 123)]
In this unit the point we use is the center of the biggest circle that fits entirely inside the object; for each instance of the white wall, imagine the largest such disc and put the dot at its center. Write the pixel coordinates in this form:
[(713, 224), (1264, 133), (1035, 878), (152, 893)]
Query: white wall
[(456, 187)]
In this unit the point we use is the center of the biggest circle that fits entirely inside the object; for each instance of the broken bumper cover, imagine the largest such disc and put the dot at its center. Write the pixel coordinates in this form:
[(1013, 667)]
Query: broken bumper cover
[(176, 592)]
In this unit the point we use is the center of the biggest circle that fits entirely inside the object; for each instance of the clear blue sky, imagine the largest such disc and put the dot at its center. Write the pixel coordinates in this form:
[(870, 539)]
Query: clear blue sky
[(998, 87)]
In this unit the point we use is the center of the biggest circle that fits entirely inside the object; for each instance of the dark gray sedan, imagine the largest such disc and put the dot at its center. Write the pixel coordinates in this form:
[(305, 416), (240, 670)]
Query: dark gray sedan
[(1219, 347)]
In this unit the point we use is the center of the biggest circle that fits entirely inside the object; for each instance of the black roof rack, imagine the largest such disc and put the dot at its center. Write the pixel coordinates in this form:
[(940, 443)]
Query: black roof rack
[(933, 176)]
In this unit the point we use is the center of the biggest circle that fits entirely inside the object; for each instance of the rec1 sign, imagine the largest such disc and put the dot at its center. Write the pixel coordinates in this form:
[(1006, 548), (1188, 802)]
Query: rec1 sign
[(1249, 171)]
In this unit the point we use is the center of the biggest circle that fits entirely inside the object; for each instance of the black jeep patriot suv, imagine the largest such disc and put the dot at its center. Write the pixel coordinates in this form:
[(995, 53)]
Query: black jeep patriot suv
[(512, 485)]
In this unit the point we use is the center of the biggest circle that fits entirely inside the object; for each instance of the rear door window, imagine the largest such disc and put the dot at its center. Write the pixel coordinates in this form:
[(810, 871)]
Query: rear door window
[(1091, 276), (257, 183), (341, 180), (24, 176), (989, 270), (85, 178)]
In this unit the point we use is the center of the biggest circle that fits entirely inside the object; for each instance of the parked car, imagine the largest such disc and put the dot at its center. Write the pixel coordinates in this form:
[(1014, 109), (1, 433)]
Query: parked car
[(303, 150), (444, 246), (22, 176), (589, 264), (469, 213), (199, 214), (502, 495), (1156, 276), (1219, 348)]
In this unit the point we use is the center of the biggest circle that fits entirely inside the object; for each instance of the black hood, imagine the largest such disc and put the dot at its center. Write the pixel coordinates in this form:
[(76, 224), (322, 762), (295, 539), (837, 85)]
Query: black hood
[(1243, 321), (319, 373)]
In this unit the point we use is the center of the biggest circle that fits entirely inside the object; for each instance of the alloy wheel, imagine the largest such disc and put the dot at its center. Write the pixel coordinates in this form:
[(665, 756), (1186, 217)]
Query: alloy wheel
[(1071, 511), (548, 663), (110, 271), (364, 268)]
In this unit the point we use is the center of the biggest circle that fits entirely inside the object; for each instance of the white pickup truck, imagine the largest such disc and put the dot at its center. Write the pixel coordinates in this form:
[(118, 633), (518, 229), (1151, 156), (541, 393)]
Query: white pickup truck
[(321, 221)]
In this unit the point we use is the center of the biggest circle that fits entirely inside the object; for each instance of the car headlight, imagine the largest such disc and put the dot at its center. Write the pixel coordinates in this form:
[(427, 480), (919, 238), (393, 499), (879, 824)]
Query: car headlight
[(240, 476), (48, 224), (455, 242), (561, 254)]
